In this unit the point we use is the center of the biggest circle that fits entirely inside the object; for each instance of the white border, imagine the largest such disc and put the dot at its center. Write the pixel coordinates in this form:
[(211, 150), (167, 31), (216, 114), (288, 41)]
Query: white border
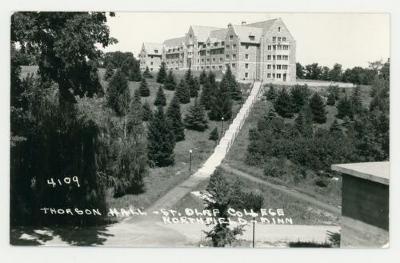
[(34, 254)]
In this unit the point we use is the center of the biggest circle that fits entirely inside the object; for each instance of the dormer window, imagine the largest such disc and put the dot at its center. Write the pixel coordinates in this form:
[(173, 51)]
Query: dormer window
[(231, 37), (251, 38), (279, 29), (156, 51)]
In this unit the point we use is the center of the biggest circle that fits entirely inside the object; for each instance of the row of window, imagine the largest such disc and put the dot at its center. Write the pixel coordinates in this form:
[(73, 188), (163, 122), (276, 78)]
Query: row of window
[(283, 39), (273, 75), (278, 47), (278, 57), (269, 66)]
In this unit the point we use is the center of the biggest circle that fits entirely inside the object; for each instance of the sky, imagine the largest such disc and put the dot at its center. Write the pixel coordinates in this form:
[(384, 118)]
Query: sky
[(350, 39)]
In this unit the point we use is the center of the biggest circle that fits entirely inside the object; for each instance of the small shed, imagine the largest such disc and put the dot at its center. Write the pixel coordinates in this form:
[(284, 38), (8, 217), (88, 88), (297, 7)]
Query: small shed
[(365, 204)]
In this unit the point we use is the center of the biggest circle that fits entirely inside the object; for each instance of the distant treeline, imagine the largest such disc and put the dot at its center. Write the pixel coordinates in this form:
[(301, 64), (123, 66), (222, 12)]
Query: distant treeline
[(356, 75)]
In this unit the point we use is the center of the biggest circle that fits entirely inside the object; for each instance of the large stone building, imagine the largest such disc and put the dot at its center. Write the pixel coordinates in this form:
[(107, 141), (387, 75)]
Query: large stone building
[(263, 51)]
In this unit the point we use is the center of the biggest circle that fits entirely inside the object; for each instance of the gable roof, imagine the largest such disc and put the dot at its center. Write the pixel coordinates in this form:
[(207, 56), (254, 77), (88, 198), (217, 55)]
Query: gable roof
[(151, 47), (219, 34), (244, 33), (202, 32), (174, 42), (265, 25)]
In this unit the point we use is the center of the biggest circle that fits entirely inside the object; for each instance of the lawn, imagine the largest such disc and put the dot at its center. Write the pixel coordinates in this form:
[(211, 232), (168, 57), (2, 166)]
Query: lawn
[(161, 180), (301, 212), (237, 154)]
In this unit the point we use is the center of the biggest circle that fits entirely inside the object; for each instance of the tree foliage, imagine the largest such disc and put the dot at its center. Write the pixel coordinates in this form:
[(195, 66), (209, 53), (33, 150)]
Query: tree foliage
[(160, 97), (195, 119), (175, 118), (162, 73)]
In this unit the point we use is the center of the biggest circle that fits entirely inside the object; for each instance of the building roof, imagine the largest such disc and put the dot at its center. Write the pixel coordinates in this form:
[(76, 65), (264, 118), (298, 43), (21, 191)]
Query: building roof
[(244, 33), (372, 171), (219, 34), (202, 32), (151, 47), (265, 25), (174, 42)]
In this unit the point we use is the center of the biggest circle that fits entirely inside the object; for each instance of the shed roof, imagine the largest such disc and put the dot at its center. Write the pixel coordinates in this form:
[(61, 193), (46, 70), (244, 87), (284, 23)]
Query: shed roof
[(373, 171)]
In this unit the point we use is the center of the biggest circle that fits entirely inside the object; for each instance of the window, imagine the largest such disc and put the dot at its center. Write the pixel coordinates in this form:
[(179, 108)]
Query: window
[(231, 37), (278, 67), (279, 39), (202, 60), (273, 39), (273, 75), (246, 65), (151, 63), (246, 56), (208, 67), (246, 75), (273, 66), (278, 76), (213, 59), (222, 43), (220, 67), (233, 65), (220, 59), (247, 46), (269, 57), (269, 47), (234, 56), (213, 67), (269, 75), (227, 56), (234, 46), (283, 38), (273, 57), (279, 29), (151, 69), (251, 38), (279, 57), (274, 47), (227, 46), (269, 66), (156, 51), (208, 59)]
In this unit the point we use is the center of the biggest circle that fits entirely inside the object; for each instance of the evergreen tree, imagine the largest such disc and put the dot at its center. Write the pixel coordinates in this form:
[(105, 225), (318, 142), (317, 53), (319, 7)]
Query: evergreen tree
[(147, 74), (344, 108), (182, 92), (318, 108), (221, 103), (233, 85), (131, 161), (118, 96), (299, 95), (147, 112), (303, 122), (160, 140), (144, 89), (162, 74), (109, 72), (335, 127), (331, 99), (160, 98), (356, 104), (170, 83), (175, 118), (283, 104), (203, 77), (195, 119), (209, 88), (214, 136), (271, 93)]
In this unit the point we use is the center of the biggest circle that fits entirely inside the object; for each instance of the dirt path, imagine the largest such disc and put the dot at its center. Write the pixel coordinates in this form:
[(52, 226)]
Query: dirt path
[(291, 192)]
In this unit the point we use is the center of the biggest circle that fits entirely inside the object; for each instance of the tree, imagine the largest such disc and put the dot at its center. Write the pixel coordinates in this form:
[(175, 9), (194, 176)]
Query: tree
[(335, 127), (344, 108), (283, 104), (131, 68), (147, 74), (220, 190), (331, 99), (313, 71), (233, 86), (299, 95), (335, 74), (160, 97), (203, 77), (162, 74), (214, 136), (318, 108), (118, 96), (182, 92), (221, 102), (209, 88), (161, 140), (356, 104), (144, 89), (175, 118), (170, 83), (60, 137), (147, 112), (325, 73), (271, 93), (109, 73), (195, 119), (299, 71), (303, 124), (131, 162)]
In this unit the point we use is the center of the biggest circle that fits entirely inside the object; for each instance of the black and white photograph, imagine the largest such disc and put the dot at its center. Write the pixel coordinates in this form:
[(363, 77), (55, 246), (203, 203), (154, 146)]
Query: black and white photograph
[(199, 129)]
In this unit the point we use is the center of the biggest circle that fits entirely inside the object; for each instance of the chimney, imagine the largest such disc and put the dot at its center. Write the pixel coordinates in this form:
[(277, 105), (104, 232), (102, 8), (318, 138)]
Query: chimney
[(229, 25), (244, 23)]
